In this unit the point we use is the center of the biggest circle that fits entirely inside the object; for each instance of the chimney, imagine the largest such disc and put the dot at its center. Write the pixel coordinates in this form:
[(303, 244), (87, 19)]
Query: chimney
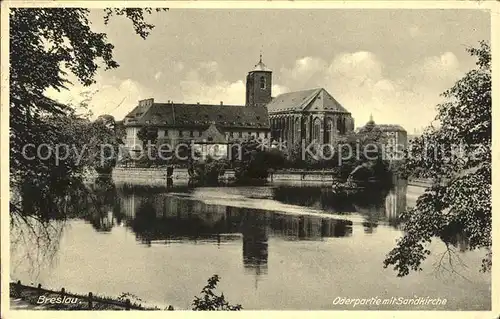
[(221, 103)]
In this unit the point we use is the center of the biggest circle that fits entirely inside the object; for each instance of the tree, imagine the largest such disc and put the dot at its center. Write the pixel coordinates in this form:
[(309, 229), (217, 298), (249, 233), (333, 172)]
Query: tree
[(148, 134), (252, 159), (456, 156), (46, 45)]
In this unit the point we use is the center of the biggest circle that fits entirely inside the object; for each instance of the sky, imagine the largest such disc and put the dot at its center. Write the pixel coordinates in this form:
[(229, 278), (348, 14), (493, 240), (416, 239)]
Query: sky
[(393, 64)]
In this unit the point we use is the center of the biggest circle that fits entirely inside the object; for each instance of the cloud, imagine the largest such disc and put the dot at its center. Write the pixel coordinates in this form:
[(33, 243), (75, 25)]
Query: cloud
[(196, 90), (304, 71), (279, 89), (436, 71), (358, 81), (110, 96), (206, 84)]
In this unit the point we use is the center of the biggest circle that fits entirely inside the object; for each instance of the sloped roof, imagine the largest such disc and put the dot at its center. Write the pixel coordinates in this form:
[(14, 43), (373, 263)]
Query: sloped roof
[(316, 99), (390, 127), (200, 115), (261, 67), (213, 135), (382, 127)]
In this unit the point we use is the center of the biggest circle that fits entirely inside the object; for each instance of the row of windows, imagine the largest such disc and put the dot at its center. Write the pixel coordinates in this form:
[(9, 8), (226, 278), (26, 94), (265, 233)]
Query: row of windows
[(132, 134), (198, 134)]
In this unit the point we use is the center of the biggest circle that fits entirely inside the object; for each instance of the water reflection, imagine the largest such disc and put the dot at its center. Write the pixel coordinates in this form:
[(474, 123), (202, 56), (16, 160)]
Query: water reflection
[(255, 237), (166, 214), (204, 230), (103, 207), (315, 197), (163, 215), (385, 205)]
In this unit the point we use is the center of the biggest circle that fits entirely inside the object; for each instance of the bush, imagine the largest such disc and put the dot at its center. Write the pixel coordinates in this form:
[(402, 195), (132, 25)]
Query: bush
[(210, 301), (256, 160), (208, 171)]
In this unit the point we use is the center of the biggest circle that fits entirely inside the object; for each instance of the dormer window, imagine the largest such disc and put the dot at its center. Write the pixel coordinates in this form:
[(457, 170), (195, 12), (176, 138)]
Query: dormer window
[(262, 82)]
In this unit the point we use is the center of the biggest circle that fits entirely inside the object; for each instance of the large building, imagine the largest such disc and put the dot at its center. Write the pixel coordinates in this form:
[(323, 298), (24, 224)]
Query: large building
[(310, 115), (184, 122), (395, 137)]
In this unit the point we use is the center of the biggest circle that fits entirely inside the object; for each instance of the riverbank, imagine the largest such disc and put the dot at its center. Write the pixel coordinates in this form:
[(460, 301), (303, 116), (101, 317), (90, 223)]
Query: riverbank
[(158, 175), (38, 298)]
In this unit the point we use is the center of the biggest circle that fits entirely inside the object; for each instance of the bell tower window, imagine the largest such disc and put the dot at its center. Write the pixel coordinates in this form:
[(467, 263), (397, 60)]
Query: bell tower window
[(262, 83)]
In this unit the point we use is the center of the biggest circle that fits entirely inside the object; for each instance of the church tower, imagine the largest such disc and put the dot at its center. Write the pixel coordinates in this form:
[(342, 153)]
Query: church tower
[(259, 82)]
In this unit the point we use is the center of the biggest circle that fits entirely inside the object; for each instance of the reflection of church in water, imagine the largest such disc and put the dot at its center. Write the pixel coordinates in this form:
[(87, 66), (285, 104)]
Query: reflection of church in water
[(168, 218), (155, 215)]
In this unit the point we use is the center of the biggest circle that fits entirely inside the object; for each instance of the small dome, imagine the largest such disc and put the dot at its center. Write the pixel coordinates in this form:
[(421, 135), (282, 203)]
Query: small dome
[(261, 66)]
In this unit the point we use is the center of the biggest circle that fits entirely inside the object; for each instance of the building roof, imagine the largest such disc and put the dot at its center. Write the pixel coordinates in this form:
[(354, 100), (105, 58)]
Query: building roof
[(212, 135), (370, 125), (390, 128), (199, 115), (314, 100), (260, 66), (381, 127)]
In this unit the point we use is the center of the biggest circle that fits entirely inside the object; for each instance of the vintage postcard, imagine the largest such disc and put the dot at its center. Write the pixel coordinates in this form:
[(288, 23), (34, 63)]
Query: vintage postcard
[(197, 156)]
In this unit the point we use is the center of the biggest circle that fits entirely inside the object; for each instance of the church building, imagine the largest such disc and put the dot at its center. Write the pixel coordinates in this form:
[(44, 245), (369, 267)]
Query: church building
[(310, 115)]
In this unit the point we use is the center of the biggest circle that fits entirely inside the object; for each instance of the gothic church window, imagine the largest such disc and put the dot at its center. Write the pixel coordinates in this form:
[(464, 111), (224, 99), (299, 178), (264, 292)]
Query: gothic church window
[(316, 130), (296, 130), (340, 126), (329, 130)]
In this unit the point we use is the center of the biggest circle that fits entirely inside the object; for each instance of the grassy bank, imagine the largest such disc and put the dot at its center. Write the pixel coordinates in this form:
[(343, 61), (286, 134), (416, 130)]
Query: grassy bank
[(64, 300)]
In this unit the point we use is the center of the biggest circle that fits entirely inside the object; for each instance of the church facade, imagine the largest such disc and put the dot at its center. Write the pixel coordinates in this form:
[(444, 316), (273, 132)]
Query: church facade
[(309, 115)]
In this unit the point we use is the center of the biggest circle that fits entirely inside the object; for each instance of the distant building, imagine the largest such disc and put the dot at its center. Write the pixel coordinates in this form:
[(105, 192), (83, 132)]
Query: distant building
[(394, 133), (312, 115)]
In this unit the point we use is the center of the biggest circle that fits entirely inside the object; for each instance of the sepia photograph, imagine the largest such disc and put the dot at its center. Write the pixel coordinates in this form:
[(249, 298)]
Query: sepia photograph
[(247, 158)]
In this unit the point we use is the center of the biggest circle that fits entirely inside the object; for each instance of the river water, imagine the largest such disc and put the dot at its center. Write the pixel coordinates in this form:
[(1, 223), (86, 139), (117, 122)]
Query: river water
[(281, 247)]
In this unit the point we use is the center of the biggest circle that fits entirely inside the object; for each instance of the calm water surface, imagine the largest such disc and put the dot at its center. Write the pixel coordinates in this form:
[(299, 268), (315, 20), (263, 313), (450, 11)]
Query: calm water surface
[(275, 247)]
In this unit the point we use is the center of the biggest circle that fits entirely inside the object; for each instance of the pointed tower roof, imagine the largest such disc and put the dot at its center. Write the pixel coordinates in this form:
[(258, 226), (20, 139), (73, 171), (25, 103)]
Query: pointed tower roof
[(261, 66)]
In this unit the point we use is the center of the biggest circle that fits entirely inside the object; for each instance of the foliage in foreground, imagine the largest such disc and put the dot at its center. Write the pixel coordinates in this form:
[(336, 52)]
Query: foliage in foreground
[(211, 301), (47, 46), (457, 157)]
